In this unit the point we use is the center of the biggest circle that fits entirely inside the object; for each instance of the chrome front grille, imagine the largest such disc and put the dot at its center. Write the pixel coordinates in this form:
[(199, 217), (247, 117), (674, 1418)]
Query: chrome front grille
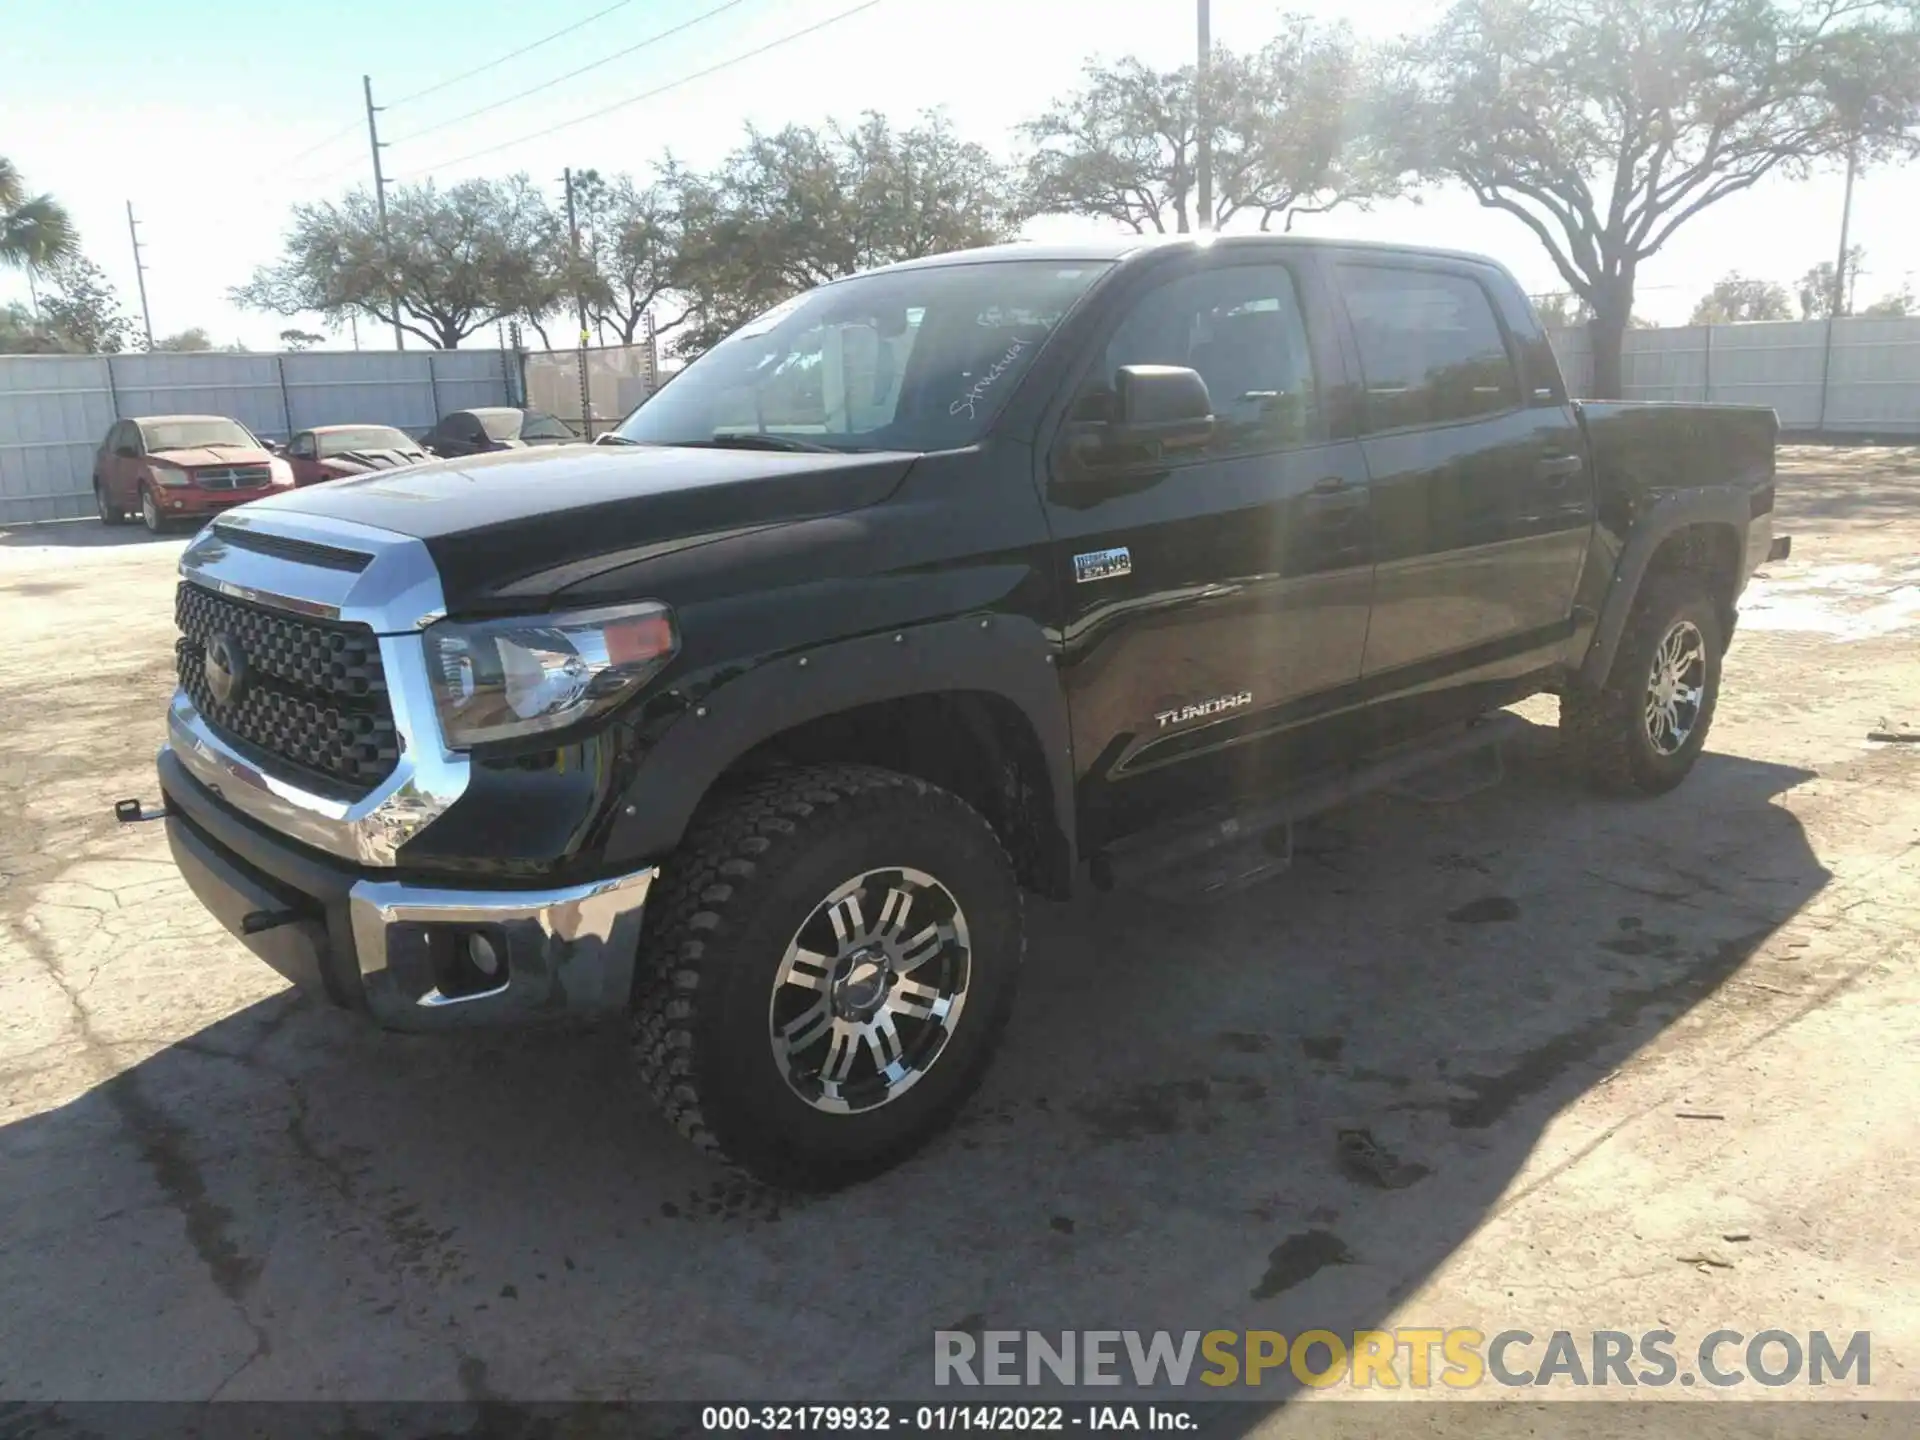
[(313, 693), (234, 477)]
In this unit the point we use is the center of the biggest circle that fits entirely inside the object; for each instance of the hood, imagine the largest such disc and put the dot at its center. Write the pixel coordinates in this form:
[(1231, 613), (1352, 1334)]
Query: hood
[(359, 462), (200, 456), (510, 529)]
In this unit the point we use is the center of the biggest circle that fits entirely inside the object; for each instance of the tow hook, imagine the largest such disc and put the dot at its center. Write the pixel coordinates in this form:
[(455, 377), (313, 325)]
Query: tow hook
[(132, 812)]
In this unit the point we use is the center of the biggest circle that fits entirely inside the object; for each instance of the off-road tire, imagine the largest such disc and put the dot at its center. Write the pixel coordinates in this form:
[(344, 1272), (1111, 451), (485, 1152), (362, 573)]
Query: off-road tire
[(110, 513), (751, 869), (1605, 730)]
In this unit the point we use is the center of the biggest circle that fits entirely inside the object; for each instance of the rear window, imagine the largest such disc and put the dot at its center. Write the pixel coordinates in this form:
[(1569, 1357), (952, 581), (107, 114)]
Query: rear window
[(195, 434), (368, 437), (1430, 348)]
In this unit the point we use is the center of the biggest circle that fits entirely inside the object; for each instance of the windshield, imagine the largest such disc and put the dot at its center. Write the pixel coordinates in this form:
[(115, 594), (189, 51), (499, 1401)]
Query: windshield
[(365, 437), (194, 434), (540, 427), (917, 359)]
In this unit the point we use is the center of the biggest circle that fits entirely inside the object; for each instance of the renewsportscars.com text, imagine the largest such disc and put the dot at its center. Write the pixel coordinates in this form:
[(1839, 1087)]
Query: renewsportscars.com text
[(1410, 1357)]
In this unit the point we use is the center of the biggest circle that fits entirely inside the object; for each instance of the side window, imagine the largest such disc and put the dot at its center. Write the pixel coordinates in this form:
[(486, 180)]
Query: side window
[(302, 445), (1240, 326), (1430, 347)]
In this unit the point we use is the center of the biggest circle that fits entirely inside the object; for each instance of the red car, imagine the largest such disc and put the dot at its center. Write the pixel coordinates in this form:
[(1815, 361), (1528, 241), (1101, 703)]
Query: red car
[(332, 452), (170, 468)]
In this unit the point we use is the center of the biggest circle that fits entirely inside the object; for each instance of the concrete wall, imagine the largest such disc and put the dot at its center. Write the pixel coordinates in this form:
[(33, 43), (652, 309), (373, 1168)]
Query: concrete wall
[(1867, 383), (55, 409)]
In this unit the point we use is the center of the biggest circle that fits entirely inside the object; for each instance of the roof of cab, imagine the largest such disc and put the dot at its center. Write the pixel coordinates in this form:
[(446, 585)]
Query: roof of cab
[(1120, 247)]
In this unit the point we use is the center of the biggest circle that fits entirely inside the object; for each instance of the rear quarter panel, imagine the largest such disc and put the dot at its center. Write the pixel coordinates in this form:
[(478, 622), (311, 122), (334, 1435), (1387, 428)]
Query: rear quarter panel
[(1657, 467)]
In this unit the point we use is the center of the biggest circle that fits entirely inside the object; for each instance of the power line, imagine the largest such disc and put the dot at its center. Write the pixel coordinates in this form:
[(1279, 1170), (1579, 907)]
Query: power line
[(511, 55), (649, 94), (572, 74), (320, 145), (482, 69)]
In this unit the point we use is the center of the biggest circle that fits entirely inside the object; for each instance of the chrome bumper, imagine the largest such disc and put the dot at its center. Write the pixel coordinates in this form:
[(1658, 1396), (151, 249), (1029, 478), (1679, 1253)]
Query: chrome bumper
[(569, 951), (369, 942)]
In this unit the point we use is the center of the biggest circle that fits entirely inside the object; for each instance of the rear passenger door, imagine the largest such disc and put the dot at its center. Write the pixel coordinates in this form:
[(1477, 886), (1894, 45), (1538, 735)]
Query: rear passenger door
[(1214, 597), (1481, 502)]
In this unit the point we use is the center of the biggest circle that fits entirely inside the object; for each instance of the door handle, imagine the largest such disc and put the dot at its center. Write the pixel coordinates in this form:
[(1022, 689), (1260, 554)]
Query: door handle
[(1329, 485), (1558, 468)]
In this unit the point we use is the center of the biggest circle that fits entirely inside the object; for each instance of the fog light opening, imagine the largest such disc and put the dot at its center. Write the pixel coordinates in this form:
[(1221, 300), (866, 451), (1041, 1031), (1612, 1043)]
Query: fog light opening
[(483, 956), (467, 962)]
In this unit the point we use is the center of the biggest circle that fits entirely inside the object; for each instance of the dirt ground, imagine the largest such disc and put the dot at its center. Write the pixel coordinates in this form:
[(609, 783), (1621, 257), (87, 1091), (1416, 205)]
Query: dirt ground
[(1660, 1061)]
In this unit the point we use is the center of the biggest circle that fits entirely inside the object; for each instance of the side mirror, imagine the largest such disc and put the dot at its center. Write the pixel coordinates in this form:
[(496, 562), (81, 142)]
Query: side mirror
[(1156, 411), (1163, 405)]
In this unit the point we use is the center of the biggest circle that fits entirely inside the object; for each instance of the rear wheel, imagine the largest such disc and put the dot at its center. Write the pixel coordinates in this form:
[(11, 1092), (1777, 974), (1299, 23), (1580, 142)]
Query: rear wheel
[(1642, 732), (150, 512), (109, 508), (829, 962)]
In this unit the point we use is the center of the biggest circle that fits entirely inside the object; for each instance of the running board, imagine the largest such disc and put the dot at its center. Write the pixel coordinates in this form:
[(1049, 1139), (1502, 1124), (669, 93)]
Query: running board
[(1229, 848)]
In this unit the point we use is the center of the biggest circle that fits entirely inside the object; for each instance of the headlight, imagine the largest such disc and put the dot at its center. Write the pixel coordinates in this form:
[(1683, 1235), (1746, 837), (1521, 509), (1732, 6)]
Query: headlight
[(502, 679), (279, 472), (166, 474)]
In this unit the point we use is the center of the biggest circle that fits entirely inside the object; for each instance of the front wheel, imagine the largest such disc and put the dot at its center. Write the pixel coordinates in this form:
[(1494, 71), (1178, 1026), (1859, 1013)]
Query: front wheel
[(150, 512), (1642, 732), (828, 964)]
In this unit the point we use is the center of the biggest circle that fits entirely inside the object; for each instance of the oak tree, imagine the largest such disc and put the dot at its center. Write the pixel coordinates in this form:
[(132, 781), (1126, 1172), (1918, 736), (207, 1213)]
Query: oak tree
[(1606, 125)]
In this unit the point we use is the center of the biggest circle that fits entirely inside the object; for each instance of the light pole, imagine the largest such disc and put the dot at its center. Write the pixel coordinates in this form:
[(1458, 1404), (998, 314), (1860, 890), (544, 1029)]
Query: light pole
[(1204, 116)]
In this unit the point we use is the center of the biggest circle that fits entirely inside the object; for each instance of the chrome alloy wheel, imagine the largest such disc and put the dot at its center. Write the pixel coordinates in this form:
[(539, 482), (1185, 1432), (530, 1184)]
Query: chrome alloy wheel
[(862, 1008), (1675, 686)]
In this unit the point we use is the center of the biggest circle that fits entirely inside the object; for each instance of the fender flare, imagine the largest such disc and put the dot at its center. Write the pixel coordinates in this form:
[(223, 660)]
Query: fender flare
[(1008, 656), (1705, 505)]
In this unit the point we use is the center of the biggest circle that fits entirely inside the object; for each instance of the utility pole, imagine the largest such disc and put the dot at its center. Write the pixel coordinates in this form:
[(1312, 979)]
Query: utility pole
[(580, 299), (1203, 113), (1840, 306), (380, 202), (140, 274)]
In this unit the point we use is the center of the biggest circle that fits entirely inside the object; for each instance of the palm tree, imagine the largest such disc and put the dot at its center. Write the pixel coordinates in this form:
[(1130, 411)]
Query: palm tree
[(35, 231)]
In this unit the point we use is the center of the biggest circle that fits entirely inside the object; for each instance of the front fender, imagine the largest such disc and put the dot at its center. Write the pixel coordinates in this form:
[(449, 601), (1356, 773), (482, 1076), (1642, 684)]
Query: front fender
[(1005, 655)]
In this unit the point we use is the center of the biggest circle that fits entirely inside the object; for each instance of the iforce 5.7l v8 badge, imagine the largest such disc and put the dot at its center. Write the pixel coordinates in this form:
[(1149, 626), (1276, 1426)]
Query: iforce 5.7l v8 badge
[(1102, 564)]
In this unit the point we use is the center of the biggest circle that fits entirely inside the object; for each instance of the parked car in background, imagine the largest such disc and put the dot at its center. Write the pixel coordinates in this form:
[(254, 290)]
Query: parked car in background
[(496, 427), (332, 452), (168, 468)]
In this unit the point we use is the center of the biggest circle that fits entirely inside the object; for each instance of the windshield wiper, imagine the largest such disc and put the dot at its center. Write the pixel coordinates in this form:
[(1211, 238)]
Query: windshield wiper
[(757, 441), (612, 439)]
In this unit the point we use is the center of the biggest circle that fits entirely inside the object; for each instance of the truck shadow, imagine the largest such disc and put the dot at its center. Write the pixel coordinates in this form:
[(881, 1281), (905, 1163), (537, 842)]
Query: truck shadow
[(372, 1216)]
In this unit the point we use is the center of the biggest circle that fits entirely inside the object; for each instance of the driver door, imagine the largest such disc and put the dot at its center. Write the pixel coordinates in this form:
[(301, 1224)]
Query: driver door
[(1215, 599)]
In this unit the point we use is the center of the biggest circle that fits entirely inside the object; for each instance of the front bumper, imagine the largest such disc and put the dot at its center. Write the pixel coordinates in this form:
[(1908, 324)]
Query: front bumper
[(390, 946), (186, 501)]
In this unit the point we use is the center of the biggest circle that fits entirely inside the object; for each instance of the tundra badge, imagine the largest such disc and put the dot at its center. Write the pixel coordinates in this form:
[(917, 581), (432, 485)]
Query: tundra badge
[(1205, 710), (1102, 564)]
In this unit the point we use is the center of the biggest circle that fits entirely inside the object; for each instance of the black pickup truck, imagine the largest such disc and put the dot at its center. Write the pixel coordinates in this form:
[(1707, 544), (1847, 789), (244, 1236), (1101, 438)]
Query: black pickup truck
[(930, 587)]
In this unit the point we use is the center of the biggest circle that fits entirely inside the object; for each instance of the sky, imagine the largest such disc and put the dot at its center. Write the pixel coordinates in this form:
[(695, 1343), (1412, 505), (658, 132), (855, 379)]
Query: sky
[(213, 117)]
